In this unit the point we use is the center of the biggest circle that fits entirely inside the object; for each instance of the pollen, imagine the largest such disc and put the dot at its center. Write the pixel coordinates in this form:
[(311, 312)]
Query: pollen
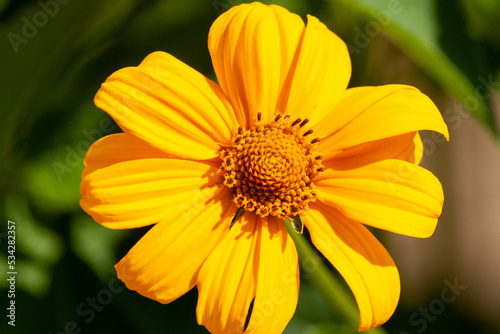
[(271, 167)]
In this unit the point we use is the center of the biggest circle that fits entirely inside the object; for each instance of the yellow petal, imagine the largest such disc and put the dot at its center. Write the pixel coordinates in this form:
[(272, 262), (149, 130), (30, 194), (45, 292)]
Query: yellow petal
[(169, 105), (252, 48), (256, 260), (366, 114), (141, 192), (278, 280), (360, 259), (226, 281), (321, 75), (164, 264), (407, 147), (393, 195), (116, 148), (417, 149)]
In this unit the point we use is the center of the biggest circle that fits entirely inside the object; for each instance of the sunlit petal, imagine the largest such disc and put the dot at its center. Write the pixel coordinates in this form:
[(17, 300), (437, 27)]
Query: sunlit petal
[(365, 114), (256, 262), (141, 192), (407, 147), (393, 195), (169, 105), (361, 260), (252, 49), (164, 264), (321, 75)]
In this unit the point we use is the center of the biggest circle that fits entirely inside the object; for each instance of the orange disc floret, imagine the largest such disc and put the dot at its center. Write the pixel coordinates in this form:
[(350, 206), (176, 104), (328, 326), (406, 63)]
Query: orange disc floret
[(271, 167)]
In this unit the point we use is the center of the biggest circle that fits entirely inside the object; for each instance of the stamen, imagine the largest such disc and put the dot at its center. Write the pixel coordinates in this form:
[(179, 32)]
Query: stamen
[(297, 121), (319, 157), (308, 132), (304, 122), (270, 168)]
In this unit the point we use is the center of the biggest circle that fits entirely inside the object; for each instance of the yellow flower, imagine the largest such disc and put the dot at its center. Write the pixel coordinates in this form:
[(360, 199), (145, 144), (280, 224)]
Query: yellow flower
[(217, 169)]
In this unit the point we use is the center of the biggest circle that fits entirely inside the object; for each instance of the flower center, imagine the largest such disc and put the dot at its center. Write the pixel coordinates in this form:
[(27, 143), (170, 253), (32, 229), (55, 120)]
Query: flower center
[(271, 167)]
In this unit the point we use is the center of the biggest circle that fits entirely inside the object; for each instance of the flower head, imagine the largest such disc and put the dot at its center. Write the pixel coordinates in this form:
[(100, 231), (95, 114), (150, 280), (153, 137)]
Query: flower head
[(218, 167)]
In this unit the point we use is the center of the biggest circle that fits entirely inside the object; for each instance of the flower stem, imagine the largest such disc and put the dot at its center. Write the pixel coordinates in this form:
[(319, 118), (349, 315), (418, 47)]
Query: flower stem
[(325, 282)]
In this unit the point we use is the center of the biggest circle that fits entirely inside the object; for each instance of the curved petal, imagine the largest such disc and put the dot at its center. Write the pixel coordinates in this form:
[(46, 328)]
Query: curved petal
[(416, 150), (278, 280), (141, 192), (359, 257), (365, 114), (252, 47), (407, 147), (321, 75), (118, 147), (257, 261), (393, 195), (169, 105), (227, 279), (164, 264)]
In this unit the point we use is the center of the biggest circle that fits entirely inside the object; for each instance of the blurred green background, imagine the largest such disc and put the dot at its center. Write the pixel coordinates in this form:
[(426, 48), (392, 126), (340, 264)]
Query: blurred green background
[(56, 53)]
